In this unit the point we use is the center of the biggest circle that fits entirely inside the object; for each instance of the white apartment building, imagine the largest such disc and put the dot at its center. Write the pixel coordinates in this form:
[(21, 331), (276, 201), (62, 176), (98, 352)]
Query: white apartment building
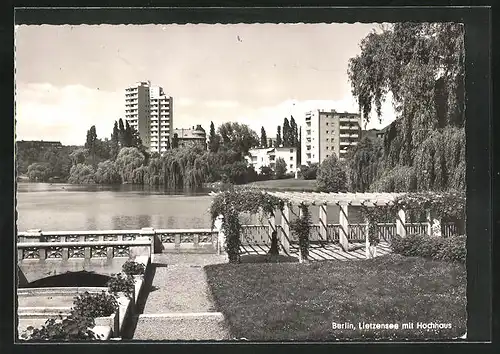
[(267, 157), (150, 112), (329, 132)]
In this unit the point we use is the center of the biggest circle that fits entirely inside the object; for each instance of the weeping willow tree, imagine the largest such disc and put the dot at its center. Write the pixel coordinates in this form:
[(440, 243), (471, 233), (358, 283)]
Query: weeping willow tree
[(422, 66), (184, 168), (364, 164), (129, 160)]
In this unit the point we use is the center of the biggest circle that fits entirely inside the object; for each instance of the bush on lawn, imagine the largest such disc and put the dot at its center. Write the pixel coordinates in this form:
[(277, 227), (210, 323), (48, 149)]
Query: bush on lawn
[(451, 249)]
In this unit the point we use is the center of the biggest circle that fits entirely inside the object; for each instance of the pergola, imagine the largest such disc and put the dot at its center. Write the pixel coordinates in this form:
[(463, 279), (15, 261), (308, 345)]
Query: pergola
[(343, 201)]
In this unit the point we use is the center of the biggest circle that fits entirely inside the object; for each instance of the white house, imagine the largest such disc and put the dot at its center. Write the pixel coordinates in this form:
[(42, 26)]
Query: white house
[(268, 156)]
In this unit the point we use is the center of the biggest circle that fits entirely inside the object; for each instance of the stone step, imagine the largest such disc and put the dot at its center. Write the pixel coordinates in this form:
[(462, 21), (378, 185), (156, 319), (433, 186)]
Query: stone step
[(181, 326)]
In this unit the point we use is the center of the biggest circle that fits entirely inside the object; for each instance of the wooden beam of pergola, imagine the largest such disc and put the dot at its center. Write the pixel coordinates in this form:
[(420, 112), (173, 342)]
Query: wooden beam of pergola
[(321, 198), (353, 199)]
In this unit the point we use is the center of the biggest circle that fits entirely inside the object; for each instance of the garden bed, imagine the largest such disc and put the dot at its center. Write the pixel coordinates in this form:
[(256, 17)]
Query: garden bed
[(291, 301)]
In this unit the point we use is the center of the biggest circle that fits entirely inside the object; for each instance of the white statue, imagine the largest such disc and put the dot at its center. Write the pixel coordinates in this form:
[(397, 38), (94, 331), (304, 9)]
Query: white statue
[(221, 237)]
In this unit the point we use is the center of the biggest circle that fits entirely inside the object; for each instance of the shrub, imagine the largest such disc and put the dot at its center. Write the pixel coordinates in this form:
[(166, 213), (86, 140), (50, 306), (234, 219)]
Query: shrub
[(94, 305), (133, 268), (308, 172), (332, 176), (120, 283), (450, 249), (454, 249), (280, 169)]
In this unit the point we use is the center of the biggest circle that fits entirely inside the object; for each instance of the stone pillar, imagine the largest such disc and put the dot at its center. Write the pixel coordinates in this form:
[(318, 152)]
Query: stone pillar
[(428, 220), (149, 232), (344, 226), (400, 223), (285, 228), (323, 222), (434, 225)]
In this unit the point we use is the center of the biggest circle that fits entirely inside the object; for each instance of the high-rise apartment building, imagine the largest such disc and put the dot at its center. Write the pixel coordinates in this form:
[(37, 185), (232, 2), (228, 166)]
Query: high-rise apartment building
[(329, 132), (149, 111)]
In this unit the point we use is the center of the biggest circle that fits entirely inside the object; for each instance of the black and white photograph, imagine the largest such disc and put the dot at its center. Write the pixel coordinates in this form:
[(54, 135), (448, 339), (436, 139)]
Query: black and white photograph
[(245, 182)]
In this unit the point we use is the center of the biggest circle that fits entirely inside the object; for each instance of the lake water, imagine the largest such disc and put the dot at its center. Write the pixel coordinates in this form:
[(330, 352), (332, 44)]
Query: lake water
[(59, 207)]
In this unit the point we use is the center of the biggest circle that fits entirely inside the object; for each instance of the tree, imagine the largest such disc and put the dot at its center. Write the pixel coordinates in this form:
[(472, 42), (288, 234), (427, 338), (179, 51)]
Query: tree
[(107, 173), (79, 156), (175, 141), (280, 168), (121, 133), (213, 139), (128, 136), (365, 164), (266, 172), (129, 159), (263, 138), (270, 143), (422, 66), (287, 133), (39, 172), (90, 143), (331, 176), (278, 138), (238, 137), (295, 132), (81, 174)]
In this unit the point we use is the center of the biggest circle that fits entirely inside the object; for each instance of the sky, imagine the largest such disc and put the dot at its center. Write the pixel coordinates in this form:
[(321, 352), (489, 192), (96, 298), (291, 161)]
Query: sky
[(69, 78)]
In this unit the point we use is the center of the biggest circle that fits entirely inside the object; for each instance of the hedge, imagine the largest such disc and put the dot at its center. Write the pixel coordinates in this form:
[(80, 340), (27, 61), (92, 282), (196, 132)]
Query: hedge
[(451, 249)]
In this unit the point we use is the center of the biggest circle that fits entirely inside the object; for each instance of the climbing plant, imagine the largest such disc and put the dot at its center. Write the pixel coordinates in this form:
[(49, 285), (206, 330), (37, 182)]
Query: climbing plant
[(374, 215), (231, 204), (301, 227)]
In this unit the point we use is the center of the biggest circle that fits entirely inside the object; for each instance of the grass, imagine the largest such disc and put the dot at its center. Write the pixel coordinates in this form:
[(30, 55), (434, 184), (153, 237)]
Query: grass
[(292, 301), (290, 184)]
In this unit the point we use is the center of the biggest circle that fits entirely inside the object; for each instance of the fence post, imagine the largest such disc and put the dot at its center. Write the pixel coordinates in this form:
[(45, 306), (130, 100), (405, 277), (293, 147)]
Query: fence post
[(323, 222), (400, 223), (344, 226), (285, 228)]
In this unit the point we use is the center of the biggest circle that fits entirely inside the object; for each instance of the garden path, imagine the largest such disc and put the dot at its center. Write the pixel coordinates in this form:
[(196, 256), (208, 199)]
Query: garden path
[(179, 305)]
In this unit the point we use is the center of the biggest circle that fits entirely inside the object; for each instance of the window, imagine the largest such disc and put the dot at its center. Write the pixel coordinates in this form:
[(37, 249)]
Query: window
[(327, 132), (327, 147), (326, 123), (291, 166), (291, 158), (326, 139), (327, 155), (291, 151)]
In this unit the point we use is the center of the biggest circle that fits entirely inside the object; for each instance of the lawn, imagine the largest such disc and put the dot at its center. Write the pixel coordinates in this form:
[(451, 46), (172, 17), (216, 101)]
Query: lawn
[(292, 301), (290, 184)]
